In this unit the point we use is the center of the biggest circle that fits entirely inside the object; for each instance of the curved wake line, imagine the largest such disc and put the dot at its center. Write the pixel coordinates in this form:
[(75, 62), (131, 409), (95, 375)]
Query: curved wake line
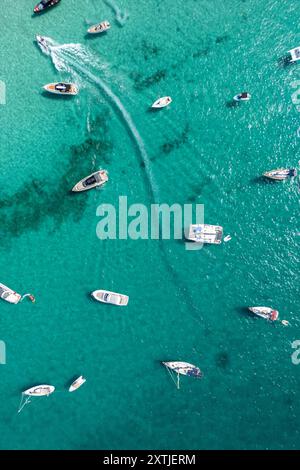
[(80, 53)]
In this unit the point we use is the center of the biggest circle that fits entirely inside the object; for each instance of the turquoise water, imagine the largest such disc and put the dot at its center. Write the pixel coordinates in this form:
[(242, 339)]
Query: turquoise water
[(183, 305)]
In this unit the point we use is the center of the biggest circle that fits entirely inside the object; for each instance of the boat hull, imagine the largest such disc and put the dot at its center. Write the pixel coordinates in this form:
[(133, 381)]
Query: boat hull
[(184, 368), (108, 297), (77, 384), (162, 102), (79, 187), (281, 174), (95, 29), (238, 98), (265, 312), (40, 9), (51, 88), (9, 295), (39, 391), (205, 233)]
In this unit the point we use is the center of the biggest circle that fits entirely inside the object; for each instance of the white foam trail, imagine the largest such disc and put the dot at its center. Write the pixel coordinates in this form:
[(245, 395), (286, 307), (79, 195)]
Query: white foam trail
[(120, 17), (72, 58)]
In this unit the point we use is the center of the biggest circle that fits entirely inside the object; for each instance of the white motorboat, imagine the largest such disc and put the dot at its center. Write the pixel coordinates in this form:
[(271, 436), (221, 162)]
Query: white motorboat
[(242, 96), (109, 297), (204, 233), (265, 312), (92, 181), (77, 383), (9, 295), (99, 28), (61, 88), (295, 54), (39, 391), (162, 102), (281, 174)]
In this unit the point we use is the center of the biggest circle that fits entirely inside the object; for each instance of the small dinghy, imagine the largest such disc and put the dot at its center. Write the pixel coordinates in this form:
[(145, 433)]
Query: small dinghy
[(294, 54), (110, 297), (281, 174), (44, 5), (183, 368), (92, 181), (242, 96), (99, 28), (265, 312), (61, 88), (37, 391), (77, 383), (162, 102), (9, 295)]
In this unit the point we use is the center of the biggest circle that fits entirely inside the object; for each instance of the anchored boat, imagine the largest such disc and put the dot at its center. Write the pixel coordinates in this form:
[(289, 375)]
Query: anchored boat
[(162, 102), (183, 368), (265, 312), (44, 5), (281, 174), (109, 297), (204, 233), (9, 295), (77, 383), (295, 54), (37, 391), (61, 88), (92, 181), (245, 96), (99, 28)]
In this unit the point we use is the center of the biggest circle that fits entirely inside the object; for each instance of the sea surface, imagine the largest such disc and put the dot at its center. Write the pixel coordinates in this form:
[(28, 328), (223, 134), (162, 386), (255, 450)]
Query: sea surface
[(184, 305)]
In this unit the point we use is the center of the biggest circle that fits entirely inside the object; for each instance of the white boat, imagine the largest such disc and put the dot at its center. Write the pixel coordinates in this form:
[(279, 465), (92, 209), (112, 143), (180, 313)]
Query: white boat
[(204, 233), (109, 297), (77, 383), (92, 181), (9, 295), (265, 312), (43, 43), (183, 368), (39, 390), (61, 88), (281, 174), (295, 54), (162, 102), (99, 28), (242, 96)]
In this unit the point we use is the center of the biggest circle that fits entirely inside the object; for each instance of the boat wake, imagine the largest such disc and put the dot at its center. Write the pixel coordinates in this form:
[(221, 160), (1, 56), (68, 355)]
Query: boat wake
[(78, 61), (75, 59), (120, 17)]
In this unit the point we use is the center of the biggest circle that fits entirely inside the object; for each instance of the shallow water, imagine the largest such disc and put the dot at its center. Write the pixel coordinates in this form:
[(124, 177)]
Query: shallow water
[(183, 305)]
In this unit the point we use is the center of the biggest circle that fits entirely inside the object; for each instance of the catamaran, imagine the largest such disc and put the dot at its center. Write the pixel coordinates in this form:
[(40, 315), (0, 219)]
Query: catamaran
[(204, 233), (77, 383), (36, 391), (109, 297), (295, 54), (44, 5), (162, 102), (61, 88), (99, 28), (92, 181), (281, 174), (9, 295), (183, 368)]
